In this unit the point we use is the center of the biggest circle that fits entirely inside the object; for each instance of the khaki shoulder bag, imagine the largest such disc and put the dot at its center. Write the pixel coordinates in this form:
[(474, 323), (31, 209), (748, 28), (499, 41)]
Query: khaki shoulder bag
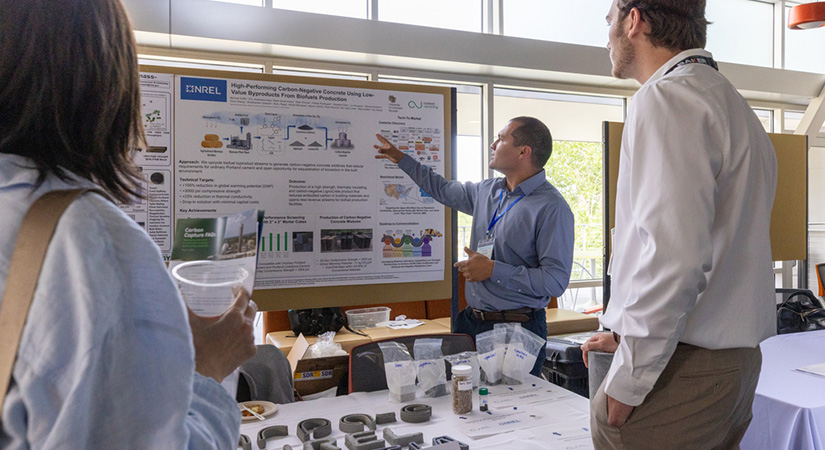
[(33, 239)]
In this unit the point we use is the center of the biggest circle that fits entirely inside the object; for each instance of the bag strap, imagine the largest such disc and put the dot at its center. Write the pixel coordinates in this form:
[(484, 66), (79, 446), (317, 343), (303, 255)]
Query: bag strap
[(33, 239), (803, 294)]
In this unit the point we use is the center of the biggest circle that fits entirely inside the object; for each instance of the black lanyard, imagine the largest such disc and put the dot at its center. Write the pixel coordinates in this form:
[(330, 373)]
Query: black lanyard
[(706, 60)]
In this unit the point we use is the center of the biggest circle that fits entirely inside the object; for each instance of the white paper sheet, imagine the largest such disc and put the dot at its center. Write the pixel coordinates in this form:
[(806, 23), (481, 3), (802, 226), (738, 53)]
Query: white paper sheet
[(501, 420), (503, 396), (815, 369), (403, 324)]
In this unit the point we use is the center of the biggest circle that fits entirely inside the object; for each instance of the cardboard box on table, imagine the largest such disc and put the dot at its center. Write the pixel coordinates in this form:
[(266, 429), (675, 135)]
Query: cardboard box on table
[(313, 375)]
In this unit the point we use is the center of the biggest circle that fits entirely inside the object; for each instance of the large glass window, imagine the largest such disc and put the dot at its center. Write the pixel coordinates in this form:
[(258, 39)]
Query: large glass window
[(575, 169), (804, 49), (319, 74), (741, 31), (575, 22), (464, 15), (346, 8), (765, 117), (792, 120), (470, 153)]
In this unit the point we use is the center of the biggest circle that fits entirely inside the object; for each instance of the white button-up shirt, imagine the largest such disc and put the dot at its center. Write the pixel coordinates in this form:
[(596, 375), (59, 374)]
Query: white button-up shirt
[(691, 253)]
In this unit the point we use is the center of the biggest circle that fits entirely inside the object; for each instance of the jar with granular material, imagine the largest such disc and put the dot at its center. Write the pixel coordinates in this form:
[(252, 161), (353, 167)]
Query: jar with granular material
[(462, 389)]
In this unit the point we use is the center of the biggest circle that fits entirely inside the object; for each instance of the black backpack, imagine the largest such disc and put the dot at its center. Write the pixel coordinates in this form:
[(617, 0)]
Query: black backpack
[(801, 311), (316, 321)]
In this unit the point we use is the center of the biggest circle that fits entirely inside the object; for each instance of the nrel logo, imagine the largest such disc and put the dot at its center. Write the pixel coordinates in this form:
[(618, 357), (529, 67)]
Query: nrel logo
[(202, 89)]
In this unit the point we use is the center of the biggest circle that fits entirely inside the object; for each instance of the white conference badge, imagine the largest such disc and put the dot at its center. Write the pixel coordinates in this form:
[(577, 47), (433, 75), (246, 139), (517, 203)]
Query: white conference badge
[(485, 246)]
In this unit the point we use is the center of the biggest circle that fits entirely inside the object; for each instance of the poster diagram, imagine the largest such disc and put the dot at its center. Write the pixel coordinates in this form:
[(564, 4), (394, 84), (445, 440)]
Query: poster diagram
[(154, 212), (423, 144), (408, 244), (407, 193), (334, 215), (272, 134), (155, 110)]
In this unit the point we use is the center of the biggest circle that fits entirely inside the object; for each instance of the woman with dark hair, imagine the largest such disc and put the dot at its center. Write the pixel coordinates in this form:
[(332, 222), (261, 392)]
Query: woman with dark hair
[(107, 358)]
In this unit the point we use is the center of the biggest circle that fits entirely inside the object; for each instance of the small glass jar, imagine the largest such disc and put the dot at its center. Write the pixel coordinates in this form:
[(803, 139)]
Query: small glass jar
[(462, 389), (482, 399)]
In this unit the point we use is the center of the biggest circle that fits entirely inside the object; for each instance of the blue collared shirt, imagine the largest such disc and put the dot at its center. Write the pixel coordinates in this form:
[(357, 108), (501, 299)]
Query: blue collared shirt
[(533, 249)]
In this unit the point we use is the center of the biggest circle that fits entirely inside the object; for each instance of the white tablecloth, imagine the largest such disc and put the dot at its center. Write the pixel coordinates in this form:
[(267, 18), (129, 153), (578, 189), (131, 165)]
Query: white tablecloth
[(789, 407), (565, 423)]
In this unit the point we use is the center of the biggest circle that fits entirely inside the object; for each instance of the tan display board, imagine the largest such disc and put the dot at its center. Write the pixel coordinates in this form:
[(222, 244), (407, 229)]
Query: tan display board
[(202, 152), (789, 217)]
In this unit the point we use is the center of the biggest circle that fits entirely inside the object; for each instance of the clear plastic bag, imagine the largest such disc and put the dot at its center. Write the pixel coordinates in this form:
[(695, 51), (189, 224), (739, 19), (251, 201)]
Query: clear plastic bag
[(509, 328), (490, 346), (521, 355), (469, 359), (432, 375), (400, 370), (325, 346)]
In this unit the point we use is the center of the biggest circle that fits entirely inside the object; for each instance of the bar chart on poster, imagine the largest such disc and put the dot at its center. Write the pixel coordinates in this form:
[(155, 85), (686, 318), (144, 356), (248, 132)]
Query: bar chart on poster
[(339, 225)]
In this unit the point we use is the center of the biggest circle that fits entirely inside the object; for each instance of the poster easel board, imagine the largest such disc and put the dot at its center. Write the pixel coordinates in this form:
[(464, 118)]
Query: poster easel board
[(301, 149)]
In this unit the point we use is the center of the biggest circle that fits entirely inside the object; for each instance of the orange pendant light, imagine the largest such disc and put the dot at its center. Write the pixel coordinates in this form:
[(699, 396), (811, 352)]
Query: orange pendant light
[(807, 16)]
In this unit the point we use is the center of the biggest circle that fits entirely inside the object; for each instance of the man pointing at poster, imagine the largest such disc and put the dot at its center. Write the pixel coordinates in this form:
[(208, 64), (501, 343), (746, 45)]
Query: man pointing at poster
[(521, 247)]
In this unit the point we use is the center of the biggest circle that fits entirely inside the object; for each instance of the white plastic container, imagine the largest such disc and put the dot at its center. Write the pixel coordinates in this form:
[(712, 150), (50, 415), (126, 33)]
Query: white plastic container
[(368, 317)]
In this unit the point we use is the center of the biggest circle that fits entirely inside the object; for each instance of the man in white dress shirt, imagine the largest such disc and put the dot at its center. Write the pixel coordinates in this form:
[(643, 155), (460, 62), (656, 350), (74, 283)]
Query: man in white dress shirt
[(692, 282)]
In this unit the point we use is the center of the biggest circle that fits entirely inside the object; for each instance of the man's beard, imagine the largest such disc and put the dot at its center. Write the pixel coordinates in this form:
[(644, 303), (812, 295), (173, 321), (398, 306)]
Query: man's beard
[(624, 56)]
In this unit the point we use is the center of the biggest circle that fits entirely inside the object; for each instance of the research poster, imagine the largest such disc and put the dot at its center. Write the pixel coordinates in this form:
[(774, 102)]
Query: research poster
[(154, 213), (303, 153)]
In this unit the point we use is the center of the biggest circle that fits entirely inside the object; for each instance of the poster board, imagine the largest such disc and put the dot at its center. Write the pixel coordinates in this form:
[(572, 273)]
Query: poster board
[(789, 217), (340, 227)]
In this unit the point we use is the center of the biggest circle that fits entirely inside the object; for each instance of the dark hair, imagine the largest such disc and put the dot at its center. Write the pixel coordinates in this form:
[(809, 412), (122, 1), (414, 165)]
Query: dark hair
[(674, 24), (70, 90), (533, 133)]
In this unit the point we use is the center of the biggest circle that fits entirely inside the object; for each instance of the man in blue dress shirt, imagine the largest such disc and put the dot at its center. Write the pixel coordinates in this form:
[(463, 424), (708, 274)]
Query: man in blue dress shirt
[(521, 247)]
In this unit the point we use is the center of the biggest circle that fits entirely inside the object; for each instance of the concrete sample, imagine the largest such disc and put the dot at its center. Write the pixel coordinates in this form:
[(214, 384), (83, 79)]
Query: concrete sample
[(318, 428), (353, 423), (383, 418), (416, 413), (244, 442), (270, 432), (365, 440), (403, 440), (321, 444)]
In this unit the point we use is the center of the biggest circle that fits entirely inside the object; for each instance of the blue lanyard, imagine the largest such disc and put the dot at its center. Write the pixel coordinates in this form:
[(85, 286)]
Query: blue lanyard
[(498, 217)]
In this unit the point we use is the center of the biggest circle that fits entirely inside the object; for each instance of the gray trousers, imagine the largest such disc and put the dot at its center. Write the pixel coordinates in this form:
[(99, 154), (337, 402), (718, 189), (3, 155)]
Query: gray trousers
[(702, 400)]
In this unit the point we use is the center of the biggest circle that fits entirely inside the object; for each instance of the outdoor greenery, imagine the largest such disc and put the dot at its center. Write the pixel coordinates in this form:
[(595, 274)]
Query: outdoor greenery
[(575, 169)]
